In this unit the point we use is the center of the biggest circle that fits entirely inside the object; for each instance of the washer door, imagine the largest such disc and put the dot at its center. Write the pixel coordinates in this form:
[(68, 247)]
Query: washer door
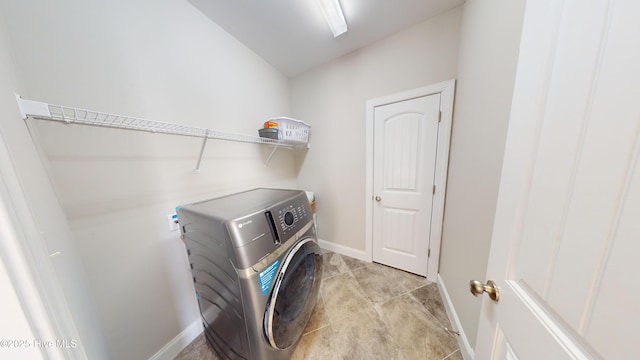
[(294, 294)]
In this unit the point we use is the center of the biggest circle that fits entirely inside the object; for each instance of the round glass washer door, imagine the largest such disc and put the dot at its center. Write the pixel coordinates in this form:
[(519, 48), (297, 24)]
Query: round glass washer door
[(294, 294)]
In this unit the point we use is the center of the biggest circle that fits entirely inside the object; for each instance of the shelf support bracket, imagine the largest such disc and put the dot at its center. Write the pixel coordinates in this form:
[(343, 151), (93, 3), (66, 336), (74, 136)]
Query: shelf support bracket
[(204, 143), (271, 155), (32, 108)]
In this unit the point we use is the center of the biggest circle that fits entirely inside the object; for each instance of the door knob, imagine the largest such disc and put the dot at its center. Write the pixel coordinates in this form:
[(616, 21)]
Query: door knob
[(378, 198), (491, 288)]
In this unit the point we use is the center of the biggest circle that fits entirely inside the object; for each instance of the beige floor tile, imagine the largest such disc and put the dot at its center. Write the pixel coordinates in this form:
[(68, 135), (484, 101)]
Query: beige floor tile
[(365, 336), (429, 297), (375, 282), (343, 297), (319, 318), (316, 345), (332, 265), (455, 356), (412, 281), (381, 283), (353, 264), (417, 332)]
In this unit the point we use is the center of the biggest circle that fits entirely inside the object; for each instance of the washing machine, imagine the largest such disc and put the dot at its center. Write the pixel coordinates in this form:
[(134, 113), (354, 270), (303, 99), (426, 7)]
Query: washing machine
[(256, 269)]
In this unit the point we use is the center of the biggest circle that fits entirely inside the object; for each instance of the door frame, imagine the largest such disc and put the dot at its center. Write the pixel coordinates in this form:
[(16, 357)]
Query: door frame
[(446, 90), (30, 268)]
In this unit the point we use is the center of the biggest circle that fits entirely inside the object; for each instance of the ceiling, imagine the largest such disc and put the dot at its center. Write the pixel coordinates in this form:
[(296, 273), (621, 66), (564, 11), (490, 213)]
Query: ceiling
[(293, 37)]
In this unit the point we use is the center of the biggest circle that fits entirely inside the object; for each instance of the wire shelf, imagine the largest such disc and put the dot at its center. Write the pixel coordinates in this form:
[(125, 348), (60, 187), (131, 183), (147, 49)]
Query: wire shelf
[(88, 117), (72, 115)]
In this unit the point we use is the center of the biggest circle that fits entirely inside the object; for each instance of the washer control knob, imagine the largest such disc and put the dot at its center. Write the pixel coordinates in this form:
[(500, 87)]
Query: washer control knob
[(288, 218)]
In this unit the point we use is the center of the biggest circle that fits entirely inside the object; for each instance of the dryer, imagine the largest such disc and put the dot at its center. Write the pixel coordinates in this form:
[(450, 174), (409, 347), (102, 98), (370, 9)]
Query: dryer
[(256, 269)]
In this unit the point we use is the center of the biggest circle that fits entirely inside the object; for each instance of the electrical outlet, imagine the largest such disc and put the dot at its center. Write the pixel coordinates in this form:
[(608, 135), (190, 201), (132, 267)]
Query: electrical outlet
[(173, 222)]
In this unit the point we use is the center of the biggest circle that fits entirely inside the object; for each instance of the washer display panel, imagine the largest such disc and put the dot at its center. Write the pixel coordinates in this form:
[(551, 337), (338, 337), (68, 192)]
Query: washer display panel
[(294, 295)]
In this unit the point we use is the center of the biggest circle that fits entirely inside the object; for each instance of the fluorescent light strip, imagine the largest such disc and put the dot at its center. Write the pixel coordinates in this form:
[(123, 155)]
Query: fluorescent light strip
[(333, 14)]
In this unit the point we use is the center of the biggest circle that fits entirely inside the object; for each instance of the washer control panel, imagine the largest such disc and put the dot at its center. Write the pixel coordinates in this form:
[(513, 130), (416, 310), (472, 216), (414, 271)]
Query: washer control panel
[(291, 218), (288, 217)]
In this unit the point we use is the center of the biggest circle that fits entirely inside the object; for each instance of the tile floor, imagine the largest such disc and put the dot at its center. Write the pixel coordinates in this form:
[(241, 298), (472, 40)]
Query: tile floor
[(368, 311)]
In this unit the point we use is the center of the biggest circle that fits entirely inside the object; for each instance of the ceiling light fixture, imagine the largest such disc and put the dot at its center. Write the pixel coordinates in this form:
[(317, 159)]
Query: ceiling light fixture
[(333, 14)]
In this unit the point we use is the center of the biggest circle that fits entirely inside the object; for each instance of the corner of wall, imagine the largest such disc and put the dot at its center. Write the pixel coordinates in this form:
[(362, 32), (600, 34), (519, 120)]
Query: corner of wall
[(488, 56)]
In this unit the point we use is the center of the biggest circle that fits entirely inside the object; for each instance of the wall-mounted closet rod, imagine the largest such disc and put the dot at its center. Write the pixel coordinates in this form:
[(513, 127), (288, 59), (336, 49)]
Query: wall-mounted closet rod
[(42, 110)]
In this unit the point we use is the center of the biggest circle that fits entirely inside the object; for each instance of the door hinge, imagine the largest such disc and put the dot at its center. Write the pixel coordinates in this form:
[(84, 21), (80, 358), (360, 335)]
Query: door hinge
[(439, 116), (429, 253), (434, 189)]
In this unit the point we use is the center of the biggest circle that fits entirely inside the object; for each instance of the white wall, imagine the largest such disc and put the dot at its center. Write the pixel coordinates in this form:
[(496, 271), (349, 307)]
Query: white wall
[(332, 99), (32, 193), (486, 71), (161, 60)]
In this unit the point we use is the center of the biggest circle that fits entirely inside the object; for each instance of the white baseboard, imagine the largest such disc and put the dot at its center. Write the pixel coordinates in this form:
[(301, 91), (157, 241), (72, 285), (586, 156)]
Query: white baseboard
[(463, 342), (178, 343), (344, 250)]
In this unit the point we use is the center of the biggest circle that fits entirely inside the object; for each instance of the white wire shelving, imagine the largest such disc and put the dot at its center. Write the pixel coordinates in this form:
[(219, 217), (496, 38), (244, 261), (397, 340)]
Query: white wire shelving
[(72, 115)]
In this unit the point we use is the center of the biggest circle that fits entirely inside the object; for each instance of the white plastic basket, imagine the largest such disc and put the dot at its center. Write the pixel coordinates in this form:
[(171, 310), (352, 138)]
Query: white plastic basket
[(292, 131)]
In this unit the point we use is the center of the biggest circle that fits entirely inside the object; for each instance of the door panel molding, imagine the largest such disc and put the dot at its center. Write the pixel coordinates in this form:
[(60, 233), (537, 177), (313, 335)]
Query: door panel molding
[(565, 231), (446, 91)]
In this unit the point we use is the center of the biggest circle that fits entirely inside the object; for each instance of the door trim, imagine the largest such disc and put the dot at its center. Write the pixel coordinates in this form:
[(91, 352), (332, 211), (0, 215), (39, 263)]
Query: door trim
[(446, 90)]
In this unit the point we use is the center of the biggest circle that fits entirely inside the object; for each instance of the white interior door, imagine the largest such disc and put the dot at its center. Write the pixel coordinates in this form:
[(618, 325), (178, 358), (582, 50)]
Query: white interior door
[(566, 238), (404, 165)]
